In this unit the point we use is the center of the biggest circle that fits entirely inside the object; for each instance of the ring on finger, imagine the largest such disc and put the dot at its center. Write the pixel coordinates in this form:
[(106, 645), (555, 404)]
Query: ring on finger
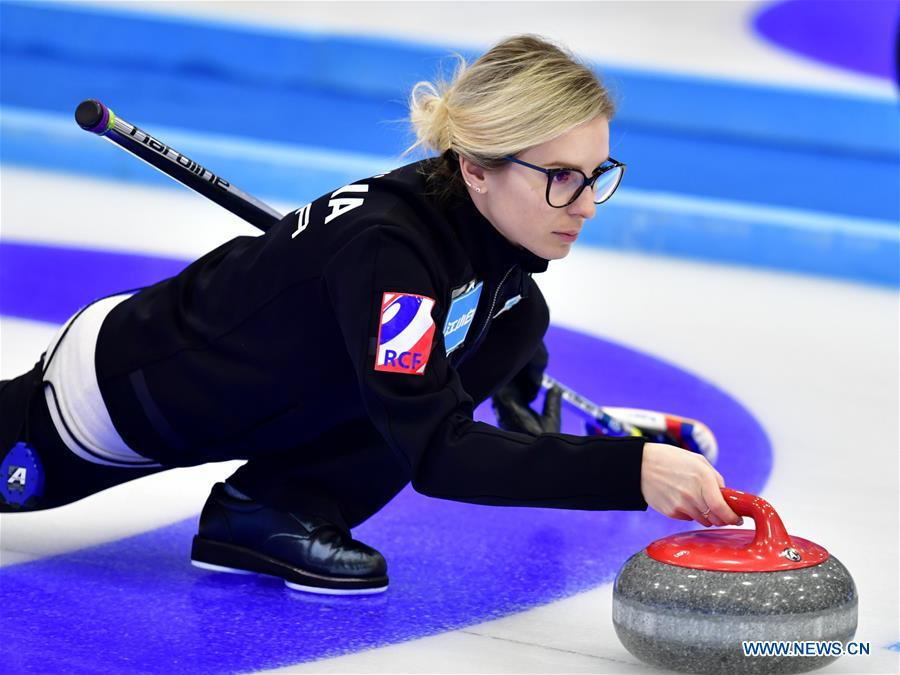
[(705, 514)]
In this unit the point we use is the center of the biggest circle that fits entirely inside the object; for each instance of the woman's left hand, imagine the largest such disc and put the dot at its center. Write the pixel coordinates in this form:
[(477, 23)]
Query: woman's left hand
[(515, 414)]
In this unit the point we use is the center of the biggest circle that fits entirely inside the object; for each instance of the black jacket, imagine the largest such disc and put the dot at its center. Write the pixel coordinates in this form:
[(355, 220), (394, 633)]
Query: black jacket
[(266, 342)]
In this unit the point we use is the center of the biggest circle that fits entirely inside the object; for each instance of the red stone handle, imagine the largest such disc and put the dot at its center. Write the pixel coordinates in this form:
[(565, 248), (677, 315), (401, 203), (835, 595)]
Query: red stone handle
[(733, 550), (771, 535)]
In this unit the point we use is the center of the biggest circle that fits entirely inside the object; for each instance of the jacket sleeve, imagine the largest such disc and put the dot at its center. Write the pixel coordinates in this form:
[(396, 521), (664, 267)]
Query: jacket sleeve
[(426, 417)]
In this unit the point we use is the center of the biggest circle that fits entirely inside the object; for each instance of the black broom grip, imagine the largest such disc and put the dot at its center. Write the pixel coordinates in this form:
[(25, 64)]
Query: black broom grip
[(96, 118)]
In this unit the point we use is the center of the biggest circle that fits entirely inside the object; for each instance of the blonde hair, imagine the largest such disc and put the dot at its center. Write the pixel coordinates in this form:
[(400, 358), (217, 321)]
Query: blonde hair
[(523, 92)]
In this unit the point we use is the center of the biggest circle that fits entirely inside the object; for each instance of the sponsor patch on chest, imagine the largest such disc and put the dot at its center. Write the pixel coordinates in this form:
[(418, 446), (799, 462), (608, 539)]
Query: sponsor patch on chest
[(405, 333), (460, 317)]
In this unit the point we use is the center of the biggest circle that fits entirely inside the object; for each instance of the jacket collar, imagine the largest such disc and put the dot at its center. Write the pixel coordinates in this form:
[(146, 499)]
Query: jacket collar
[(491, 254)]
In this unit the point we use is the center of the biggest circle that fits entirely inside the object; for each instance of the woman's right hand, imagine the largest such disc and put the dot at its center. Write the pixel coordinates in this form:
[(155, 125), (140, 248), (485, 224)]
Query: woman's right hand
[(683, 484)]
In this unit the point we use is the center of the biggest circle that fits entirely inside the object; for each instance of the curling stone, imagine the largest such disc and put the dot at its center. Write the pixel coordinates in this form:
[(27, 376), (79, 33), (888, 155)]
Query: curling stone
[(687, 601)]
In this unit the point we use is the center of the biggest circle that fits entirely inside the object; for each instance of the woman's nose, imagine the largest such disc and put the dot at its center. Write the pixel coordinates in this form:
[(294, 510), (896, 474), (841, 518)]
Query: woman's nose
[(584, 206)]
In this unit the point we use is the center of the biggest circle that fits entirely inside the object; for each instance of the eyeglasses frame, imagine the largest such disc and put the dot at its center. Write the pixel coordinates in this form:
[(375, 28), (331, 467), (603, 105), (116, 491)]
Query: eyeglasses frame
[(586, 181)]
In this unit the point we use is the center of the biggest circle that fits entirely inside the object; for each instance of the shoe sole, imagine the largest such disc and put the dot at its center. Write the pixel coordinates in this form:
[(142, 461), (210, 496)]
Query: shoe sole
[(221, 557)]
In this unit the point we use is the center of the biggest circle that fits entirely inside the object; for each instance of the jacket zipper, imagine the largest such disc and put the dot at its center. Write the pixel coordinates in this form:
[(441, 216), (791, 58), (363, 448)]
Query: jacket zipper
[(493, 304)]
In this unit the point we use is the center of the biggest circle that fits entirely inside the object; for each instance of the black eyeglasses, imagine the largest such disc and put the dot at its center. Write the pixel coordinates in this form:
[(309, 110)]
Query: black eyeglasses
[(564, 186)]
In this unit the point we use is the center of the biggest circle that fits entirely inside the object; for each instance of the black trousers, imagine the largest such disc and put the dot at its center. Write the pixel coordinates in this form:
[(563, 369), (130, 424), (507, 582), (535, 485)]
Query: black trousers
[(345, 475), (63, 476)]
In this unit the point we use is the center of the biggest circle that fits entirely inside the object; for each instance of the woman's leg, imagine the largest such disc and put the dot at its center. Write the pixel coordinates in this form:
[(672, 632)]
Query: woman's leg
[(57, 441), (345, 476), (37, 469), (289, 514)]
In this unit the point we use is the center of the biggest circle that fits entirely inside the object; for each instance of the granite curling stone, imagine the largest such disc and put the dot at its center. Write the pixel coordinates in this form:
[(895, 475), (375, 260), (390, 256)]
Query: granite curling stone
[(688, 601)]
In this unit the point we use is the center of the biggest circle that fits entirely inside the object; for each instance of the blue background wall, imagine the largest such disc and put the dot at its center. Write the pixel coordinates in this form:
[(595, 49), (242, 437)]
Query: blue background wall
[(751, 174)]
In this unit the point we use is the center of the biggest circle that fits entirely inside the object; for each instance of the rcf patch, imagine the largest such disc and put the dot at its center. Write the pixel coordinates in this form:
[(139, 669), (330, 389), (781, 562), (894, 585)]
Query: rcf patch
[(405, 333)]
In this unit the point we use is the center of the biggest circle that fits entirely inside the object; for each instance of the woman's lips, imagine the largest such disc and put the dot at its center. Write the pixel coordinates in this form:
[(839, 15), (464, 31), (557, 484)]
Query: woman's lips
[(567, 236)]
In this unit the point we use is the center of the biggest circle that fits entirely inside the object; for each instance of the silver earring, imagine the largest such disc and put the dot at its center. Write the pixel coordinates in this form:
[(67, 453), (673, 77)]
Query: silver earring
[(478, 190)]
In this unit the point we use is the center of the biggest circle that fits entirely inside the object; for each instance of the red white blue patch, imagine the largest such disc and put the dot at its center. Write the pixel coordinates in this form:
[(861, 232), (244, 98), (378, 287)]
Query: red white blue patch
[(405, 333)]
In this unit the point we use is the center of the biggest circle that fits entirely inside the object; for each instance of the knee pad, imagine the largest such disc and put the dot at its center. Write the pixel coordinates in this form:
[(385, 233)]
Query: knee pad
[(37, 469)]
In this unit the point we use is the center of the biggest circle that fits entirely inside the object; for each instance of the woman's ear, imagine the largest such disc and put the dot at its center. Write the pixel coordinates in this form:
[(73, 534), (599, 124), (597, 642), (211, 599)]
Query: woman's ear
[(472, 174)]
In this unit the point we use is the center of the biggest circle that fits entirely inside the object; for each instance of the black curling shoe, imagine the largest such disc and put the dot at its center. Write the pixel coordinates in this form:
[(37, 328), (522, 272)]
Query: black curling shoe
[(309, 553)]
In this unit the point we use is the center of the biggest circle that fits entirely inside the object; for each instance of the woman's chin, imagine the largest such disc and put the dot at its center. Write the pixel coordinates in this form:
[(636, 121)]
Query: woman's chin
[(554, 252)]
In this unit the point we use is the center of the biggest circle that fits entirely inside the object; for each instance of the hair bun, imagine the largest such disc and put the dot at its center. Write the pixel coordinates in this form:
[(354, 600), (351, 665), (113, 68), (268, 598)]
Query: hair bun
[(430, 117)]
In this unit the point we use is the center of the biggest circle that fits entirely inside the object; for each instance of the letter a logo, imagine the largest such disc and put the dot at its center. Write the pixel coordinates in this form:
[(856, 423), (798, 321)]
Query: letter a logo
[(17, 475)]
